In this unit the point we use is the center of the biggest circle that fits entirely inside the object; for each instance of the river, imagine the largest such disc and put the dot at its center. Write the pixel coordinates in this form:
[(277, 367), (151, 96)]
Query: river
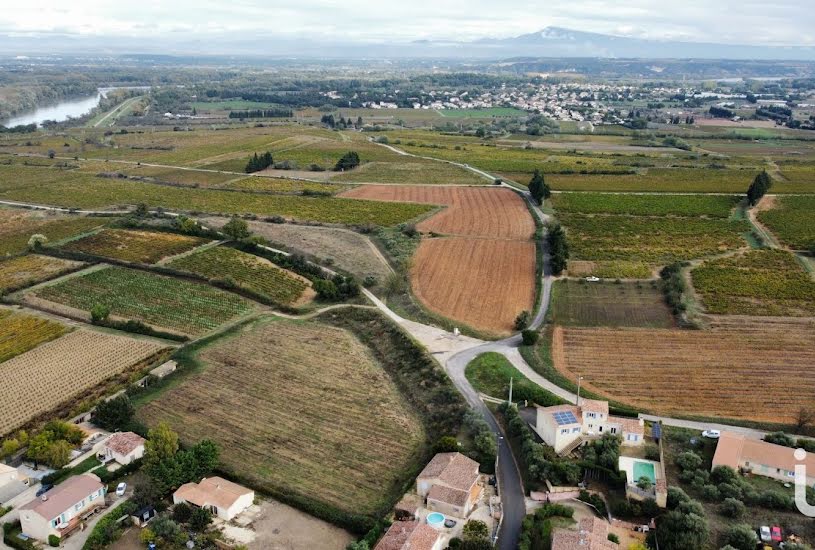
[(69, 108)]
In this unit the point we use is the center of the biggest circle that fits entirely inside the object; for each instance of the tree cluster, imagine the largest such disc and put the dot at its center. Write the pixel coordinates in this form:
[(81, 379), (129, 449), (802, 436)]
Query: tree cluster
[(170, 467), (348, 161), (262, 113), (53, 445), (761, 184), (720, 112), (259, 162), (115, 414), (558, 249)]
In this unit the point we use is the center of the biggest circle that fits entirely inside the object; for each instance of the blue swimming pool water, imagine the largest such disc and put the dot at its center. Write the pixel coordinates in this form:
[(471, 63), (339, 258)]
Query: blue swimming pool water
[(644, 469), (435, 518)]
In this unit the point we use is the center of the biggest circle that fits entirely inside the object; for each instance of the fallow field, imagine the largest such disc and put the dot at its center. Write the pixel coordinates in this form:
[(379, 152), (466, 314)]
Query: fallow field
[(256, 274), (578, 303), (147, 247), (177, 305), (17, 227), (57, 373), (30, 269), (300, 408), (741, 369)]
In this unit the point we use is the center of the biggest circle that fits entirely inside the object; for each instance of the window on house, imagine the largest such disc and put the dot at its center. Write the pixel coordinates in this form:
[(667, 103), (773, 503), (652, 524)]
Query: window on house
[(575, 430), (778, 470), (790, 474), (564, 431), (614, 430), (590, 415), (54, 522), (91, 497)]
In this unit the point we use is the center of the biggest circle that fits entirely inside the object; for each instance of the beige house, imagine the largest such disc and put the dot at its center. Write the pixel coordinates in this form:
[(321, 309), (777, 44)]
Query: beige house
[(8, 475), (761, 458), (591, 534), (62, 509), (449, 484), (566, 427), (216, 494), (410, 535), (124, 447), (12, 483)]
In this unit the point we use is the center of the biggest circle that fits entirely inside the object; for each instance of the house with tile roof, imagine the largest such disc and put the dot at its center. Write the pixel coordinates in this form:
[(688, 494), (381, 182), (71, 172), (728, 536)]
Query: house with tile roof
[(591, 534), (761, 458), (566, 427), (449, 484), (410, 535), (62, 509), (123, 447), (216, 494)]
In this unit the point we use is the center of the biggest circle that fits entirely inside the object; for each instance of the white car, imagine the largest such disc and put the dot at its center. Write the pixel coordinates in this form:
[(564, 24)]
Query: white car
[(593, 279), (711, 434), (120, 489), (764, 531)]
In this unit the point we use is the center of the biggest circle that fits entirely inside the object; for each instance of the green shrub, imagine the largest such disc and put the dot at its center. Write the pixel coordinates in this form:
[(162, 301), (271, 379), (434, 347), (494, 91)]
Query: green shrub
[(530, 337), (53, 540), (732, 508)]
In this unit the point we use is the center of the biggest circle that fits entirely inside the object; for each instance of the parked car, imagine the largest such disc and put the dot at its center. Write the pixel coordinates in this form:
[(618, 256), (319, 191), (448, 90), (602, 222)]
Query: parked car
[(44, 489), (449, 523), (593, 279), (764, 533), (711, 434), (775, 533), (120, 489)]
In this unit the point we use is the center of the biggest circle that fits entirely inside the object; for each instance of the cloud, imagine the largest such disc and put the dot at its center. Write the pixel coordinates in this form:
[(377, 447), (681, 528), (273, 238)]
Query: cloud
[(785, 22)]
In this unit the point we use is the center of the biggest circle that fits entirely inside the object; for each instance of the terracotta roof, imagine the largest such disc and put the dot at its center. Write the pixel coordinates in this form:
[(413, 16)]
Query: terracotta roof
[(591, 534), (452, 469), (124, 443), (408, 535), (629, 425), (213, 491), (734, 448), (456, 497), (64, 495), (594, 405)]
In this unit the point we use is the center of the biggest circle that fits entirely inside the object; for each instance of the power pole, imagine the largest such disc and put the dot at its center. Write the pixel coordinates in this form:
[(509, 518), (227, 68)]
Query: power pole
[(510, 390), (579, 378)]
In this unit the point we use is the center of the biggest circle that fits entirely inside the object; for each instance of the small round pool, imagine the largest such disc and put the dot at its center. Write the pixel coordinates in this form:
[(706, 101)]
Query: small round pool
[(435, 519)]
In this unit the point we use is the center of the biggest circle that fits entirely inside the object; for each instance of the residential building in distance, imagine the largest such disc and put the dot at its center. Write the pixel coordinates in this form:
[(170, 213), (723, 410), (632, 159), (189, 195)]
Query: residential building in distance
[(123, 447), (760, 458), (216, 494), (449, 484), (566, 427), (62, 509), (410, 535), (591, 534)]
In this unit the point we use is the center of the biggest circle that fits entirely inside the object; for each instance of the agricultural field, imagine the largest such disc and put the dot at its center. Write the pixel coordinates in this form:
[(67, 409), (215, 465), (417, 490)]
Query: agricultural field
[(798, 174), (77, 190), (611, 269), (665, 180), (578, 303), (343, 248), (483, 283), (760, 282), (792, 220), (20, 332), (253, 273), (283, 186), (178, 305), (60, 372), (147, 247), (28, 270), (165, 174), (713, 373), (709, 206), (17, 227), (411, 171), (651, 240), (300, 408), (492, 112), (471, 211)]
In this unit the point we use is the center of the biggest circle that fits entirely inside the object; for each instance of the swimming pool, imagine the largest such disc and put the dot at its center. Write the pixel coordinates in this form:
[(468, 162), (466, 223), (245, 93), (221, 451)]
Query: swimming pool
[(644, 469), (435, 519)]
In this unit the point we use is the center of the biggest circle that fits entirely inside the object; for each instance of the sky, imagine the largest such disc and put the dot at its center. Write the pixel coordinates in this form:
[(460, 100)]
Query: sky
[(781, 22)]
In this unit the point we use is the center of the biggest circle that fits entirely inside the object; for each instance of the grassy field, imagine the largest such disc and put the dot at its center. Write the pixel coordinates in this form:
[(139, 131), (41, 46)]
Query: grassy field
[(247, 271), (342, 248), (147, 247), (17, 227), (166, 302), (646, 205), (792, 220), (28, 270), (668, 180), (275, 185), (578, 303), (610, 269), (411, 171), (300, 408), (20, 332), (760, 282), (490, 373), (492, 112), (68, 372), (230, 104)]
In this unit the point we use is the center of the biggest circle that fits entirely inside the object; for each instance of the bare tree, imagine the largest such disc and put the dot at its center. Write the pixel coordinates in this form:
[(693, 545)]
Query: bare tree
[(804, 418)]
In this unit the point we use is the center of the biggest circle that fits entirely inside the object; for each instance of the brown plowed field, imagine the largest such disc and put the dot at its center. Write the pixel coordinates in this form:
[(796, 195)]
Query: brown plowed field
[(483, 283), (483, 273), (471, 211), (739, 369)]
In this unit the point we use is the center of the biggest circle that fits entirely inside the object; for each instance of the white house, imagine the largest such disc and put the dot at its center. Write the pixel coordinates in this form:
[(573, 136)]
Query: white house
[(61, 510), (221, 497), (123, 447), (565, 427), (12, 483)]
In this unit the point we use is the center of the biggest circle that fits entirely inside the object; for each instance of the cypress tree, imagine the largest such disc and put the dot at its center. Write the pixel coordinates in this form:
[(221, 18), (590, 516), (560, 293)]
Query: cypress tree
[(538, 188)]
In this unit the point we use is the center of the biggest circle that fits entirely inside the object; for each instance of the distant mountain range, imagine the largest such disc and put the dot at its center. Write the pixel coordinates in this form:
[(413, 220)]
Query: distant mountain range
[(551, 42)]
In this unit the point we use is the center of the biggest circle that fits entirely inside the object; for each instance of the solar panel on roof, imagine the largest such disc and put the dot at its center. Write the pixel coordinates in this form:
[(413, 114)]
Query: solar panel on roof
[(565, 417)]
